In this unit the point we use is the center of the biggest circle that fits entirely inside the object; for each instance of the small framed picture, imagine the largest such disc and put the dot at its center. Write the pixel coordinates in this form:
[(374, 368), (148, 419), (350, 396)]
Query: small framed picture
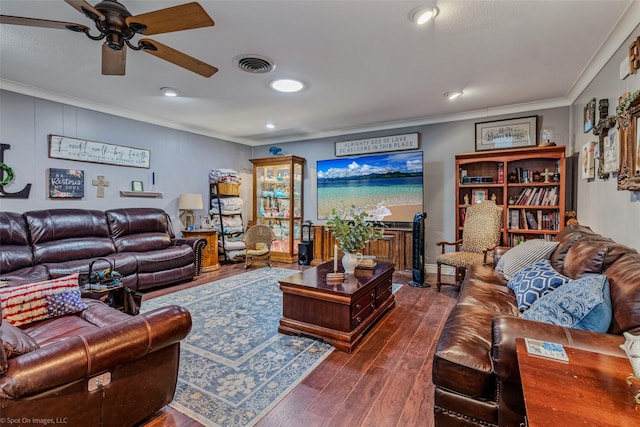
[(589, 115), (137, 186), (205, 222), (478, 195)]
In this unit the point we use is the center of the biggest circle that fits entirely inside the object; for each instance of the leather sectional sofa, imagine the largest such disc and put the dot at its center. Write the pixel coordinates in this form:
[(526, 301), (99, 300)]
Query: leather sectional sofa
[(475, 369), (91, 365), (47, 244), (97, 367)]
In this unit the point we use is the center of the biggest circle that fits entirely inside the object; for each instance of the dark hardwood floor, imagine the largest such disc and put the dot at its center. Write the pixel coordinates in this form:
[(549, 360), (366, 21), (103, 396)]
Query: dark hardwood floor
[(385, 382)]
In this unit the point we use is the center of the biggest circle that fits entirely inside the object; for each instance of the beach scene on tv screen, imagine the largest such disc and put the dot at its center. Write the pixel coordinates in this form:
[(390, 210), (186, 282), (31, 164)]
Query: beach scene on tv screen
[(387, 186)]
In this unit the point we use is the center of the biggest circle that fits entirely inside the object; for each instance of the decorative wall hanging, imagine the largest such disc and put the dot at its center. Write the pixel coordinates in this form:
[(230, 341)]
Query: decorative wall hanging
[(629, 122), (612, 152), (588, 162), (82, 150), (381, 144), (100, 183), (589, 115), (66, 183), (505, 134), (6, 177), (604, 152), (634, 56)]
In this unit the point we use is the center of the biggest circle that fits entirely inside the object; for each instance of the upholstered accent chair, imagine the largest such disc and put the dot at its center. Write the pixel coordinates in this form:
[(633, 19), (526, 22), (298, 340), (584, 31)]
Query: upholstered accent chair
[(480, 235), (258, 240)]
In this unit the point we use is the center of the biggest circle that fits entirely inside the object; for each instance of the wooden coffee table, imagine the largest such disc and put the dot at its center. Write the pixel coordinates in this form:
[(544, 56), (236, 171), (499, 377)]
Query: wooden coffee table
[(338, 314), (589, 390)]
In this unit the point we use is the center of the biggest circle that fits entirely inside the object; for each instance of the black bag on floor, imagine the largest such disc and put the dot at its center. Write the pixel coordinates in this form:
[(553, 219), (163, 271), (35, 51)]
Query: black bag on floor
[(126, 300), (107, 286)]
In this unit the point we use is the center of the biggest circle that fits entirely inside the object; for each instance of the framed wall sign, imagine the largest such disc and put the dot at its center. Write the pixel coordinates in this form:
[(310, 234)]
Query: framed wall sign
[(82, 150), (137, 186), (381, 144), (506, 134), (66, 184)]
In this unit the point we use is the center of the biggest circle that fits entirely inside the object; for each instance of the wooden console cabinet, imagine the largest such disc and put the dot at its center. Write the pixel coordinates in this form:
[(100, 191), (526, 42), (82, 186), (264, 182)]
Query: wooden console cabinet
[(339, 314), (395, 247)]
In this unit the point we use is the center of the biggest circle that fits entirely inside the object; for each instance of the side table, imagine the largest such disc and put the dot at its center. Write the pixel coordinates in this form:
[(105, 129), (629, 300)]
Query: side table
[(210, 253), (588, 390)]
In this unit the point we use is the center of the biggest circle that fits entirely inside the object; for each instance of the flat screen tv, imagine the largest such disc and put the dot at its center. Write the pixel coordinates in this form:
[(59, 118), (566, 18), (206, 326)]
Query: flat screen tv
[(387, 186)]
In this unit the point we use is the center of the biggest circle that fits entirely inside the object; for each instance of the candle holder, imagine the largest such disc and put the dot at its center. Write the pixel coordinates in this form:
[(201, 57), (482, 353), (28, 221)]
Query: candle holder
[(335, 278)]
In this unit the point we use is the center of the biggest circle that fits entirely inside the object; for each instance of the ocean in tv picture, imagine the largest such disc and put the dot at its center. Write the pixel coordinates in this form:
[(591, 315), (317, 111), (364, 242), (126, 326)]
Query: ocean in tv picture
[(368, 193)]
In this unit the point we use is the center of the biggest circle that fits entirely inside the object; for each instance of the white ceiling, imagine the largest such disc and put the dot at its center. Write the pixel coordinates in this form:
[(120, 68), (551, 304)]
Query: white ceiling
[(367, 67)]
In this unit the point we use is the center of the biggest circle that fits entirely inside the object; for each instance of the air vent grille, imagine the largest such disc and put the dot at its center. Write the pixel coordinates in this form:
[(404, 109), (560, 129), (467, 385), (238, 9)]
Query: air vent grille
[(254, 64)]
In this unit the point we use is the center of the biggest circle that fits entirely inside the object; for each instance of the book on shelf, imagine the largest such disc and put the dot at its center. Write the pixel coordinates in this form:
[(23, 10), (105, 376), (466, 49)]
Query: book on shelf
[(531, 221), (500, 173), (537, 196), (514, 218)]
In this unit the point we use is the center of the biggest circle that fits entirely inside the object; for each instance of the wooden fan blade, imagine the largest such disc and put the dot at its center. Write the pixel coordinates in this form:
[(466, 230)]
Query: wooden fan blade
[(44, 23), (113, 61), (86, 9), (177, 18), (176, 57)]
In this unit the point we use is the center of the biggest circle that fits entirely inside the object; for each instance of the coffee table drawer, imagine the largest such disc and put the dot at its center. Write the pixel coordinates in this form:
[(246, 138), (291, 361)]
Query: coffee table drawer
[(362, 308)]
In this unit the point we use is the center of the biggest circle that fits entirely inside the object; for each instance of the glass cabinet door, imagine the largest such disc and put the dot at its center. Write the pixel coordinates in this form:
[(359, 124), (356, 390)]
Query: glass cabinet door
[(278, 202)]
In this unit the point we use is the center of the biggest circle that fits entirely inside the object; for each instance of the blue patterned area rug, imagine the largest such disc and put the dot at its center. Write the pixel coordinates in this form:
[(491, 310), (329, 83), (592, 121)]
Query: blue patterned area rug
[(234, 365)]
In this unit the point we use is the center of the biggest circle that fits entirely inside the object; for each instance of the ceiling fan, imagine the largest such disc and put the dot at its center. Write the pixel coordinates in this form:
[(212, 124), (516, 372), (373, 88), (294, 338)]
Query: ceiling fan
[(117, 26)]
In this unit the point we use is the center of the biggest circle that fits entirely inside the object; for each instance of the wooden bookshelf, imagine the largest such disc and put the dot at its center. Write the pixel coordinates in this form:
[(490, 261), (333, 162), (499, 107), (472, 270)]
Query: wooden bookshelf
[(528, 183)]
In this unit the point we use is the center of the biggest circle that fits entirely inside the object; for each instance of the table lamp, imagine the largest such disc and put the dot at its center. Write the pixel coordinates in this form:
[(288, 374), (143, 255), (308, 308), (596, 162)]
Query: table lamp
[(187, 203)]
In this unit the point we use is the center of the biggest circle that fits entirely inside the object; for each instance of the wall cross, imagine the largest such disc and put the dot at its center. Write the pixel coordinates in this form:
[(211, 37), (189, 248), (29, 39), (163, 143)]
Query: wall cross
[(100, 183)]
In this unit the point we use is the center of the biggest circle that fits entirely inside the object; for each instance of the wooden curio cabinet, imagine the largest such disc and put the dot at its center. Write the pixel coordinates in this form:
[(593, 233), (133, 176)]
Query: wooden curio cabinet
[(277, 202)]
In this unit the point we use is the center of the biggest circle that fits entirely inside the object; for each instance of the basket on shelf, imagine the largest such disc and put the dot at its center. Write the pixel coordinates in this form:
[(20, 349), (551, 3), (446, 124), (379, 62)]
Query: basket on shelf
[(229, 188)]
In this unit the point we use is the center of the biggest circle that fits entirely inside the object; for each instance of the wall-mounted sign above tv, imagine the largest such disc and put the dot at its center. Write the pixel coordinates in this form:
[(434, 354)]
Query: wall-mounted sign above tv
[(387, 186)]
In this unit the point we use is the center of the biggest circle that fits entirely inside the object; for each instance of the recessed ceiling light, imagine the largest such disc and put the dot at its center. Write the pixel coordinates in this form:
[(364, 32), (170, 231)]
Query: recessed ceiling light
[(270, 126), (420, 15), (169, 91), (287, 85), (453, 94)]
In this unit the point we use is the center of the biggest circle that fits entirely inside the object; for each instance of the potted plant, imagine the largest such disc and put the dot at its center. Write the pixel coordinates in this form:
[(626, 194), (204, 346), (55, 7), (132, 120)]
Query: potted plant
[(352, 229)]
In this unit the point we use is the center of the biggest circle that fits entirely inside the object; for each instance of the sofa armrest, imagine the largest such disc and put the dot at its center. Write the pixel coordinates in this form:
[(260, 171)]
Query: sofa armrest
[(198, 244), (79, 357), (505, 330)]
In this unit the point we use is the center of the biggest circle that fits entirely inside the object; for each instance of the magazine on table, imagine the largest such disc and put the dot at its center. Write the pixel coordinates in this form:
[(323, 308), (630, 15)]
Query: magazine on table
[(547, 349)]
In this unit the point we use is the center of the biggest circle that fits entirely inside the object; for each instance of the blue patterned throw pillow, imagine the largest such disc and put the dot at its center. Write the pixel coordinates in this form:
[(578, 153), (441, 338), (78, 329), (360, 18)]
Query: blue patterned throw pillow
[(534, 281), (584, 303)]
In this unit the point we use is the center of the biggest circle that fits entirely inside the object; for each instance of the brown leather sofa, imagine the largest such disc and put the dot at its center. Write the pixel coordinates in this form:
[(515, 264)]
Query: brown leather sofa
[(47, 244), (475, 370), (97, 367)]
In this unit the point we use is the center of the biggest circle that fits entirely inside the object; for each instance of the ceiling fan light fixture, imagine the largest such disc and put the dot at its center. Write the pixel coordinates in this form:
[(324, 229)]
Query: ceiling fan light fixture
[(420, 15), (169, 91), (453, 94), (287, 85)]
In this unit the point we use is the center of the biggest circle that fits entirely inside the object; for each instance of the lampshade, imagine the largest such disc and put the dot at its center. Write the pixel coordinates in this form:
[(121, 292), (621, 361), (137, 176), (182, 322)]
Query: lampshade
[(190, 201)]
